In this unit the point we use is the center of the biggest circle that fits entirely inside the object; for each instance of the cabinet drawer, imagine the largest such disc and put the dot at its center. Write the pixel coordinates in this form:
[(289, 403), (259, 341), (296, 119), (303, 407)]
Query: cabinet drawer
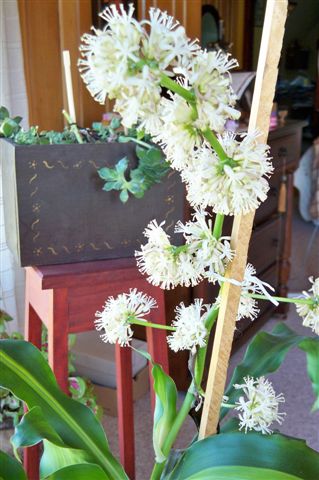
[(264, 245), (285, 151), (270, 206)]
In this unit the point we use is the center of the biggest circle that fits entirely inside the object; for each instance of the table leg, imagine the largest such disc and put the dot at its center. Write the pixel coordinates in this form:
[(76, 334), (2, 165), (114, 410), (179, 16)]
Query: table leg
[(125, 410), (33, 330), (58, 337), (156, 339)]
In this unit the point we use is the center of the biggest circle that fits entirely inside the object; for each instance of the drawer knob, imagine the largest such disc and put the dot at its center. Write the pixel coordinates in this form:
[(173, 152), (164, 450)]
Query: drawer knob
[(282, 152)]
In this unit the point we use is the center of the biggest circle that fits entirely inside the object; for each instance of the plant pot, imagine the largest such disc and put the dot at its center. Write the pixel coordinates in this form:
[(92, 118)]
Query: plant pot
[(56, 211)]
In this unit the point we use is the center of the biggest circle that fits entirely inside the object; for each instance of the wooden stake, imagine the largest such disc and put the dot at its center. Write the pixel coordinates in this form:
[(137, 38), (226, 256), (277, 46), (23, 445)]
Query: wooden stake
[(68, 84), (267, 71)]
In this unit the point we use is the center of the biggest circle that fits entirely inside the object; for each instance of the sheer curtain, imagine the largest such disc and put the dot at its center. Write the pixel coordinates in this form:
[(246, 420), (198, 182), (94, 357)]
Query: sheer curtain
[(12, 95)]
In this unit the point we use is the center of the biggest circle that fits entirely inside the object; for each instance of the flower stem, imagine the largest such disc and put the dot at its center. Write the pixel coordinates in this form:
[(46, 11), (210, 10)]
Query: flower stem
[(179, 420), (73, 127), (175, 87), (132, 139), (218, 225), (212, 139), (302, 301), (160, 326)]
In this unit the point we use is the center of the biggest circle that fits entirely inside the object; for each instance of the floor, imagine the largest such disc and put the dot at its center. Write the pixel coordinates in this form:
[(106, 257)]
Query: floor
[(290, 379)]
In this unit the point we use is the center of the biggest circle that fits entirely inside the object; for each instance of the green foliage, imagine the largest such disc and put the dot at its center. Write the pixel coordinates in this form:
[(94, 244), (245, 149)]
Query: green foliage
[(80, 472), (244, 457), (25, 372), (165, 405), (10, 469), (152, 167), (8, 126), (265, 354)]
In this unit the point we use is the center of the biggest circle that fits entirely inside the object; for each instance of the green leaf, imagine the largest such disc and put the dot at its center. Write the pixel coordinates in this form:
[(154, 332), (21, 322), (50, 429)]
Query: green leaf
[(124, 196), (80, 472), (4, 113), (241, 473), (311, 347), (121, 166), (32, 429), (265, 354), (275, 452), (165, 405), (10, 469), (165, 408), (17, 119), (107, 173), (54, 458), (25, 372)]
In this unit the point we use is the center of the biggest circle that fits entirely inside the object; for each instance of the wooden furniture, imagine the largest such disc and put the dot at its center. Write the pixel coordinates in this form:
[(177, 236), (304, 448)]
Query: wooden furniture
[(65, 298)]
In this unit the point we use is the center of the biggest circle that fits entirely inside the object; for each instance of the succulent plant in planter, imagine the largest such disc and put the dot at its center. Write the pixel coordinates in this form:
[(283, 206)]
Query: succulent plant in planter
[(104, 190)]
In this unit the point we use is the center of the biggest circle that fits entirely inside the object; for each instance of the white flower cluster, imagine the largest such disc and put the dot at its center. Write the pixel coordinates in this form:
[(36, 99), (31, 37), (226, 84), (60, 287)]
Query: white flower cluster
[(125, 60), (208, 75), (310, 312), (234, 186), (259, 405), (117, 313), (248, 307), (202, 256), (190, 330)]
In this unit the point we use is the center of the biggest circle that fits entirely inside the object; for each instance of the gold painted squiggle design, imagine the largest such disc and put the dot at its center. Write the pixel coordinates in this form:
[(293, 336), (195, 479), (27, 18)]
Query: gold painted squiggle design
[(169, 226), (34, 223), (169, 212), (33, 178), (62, 165), (92, 162), (34, 192), (94, 246), (36, 236), (108, 246), (52, 250), (171, 185), (77, 164), (66, 249), (45, 163)]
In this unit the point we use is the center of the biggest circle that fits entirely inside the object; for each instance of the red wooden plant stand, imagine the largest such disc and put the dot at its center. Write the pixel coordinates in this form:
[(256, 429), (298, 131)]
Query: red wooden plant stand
[(65, 298)]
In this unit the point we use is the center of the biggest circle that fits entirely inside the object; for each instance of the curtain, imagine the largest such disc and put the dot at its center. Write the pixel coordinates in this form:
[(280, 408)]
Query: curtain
[(12, 95)]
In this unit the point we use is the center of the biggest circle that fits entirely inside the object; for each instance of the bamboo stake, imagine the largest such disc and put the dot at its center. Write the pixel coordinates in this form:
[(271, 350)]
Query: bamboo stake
[(68, 84), (267, 71)]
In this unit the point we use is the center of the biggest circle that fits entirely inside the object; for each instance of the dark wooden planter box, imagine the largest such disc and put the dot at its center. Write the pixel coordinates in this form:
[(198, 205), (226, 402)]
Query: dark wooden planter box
[(56, 210)]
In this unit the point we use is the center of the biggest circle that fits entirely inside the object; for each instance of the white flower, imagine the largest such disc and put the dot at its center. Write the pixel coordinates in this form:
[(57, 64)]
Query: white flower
[(248, 307), (117, 313), (166, 265), (108, 55), (234, 186), (125, 60), (208, 75), (190, 327), (310, 312), (211, 254), (167, 42), (177, 134), (259, 407)]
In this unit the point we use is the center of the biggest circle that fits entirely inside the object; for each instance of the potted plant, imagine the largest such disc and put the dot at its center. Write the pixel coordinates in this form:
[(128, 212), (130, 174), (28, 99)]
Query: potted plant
[(66, 201)]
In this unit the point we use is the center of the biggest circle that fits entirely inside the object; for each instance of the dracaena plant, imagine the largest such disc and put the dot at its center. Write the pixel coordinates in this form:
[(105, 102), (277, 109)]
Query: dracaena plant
[(132, 62)]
